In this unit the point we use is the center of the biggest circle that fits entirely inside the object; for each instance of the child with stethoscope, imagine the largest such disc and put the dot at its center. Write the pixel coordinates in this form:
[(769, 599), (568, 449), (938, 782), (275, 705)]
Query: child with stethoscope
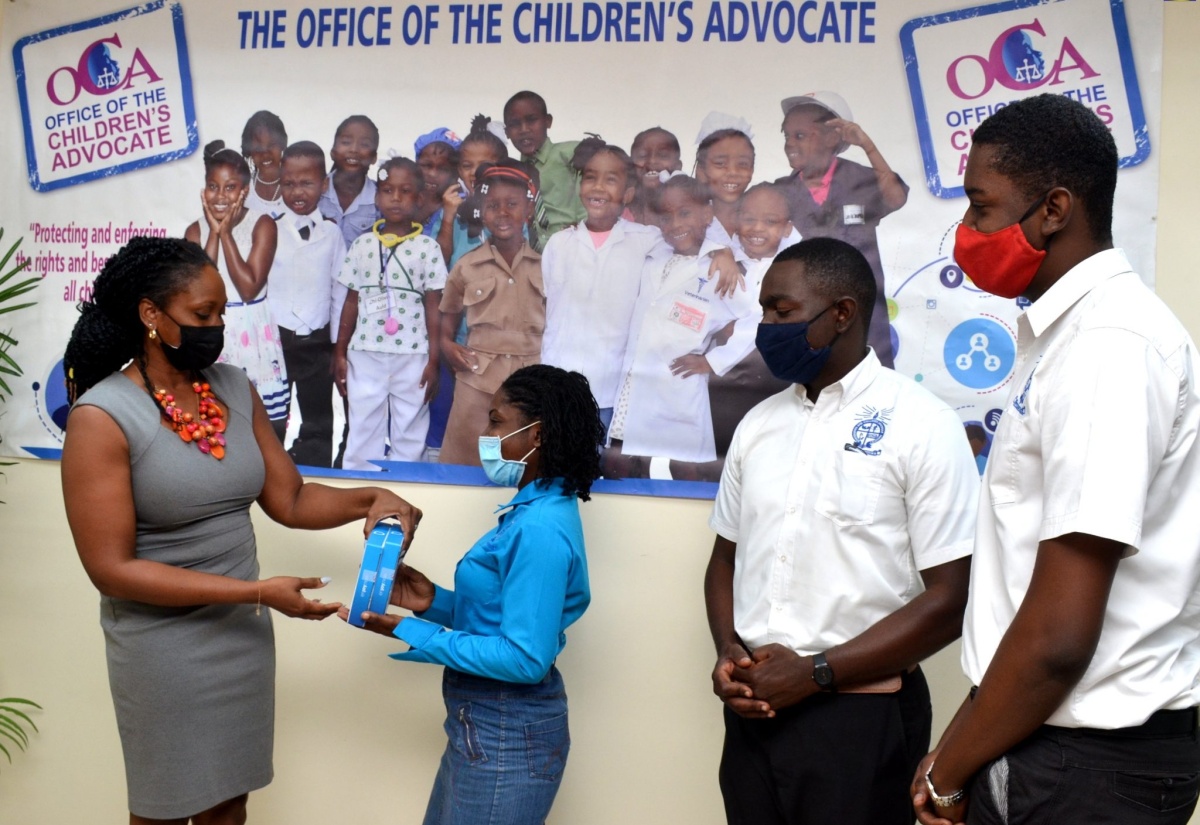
[(386, 356)]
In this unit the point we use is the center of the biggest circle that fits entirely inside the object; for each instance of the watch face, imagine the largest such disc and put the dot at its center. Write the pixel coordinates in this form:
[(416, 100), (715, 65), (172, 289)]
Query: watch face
[(823, 675)]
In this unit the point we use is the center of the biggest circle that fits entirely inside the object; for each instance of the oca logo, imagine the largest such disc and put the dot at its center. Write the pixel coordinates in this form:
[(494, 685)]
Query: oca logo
[(99, 72), (1016, 64)]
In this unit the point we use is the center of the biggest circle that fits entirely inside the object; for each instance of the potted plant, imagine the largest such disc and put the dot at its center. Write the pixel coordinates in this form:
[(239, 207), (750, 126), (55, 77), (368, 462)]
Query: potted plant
[(12, 718)]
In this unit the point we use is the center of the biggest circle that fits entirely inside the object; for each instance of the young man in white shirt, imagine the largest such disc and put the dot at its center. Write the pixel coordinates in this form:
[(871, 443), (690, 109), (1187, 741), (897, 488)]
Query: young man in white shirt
[(844, 520), (1082, 631)]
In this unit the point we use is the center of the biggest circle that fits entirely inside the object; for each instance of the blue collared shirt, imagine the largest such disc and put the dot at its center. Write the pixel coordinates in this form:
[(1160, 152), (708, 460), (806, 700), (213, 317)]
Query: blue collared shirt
[(516, 592), (359, 218)]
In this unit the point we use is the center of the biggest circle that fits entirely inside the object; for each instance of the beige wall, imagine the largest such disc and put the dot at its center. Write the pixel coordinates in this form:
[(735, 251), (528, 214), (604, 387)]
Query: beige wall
[(358, 734)]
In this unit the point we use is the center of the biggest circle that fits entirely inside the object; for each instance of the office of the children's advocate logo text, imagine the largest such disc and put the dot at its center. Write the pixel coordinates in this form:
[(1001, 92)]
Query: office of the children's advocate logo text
[(105, 96), (964, 65)]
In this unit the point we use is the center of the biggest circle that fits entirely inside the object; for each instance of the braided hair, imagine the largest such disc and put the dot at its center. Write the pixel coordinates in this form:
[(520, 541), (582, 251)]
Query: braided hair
[(589, 147), (109, 332), (407, 164), (480, 133), (506, 172), (263, 121), (571, 430), (696, 191), (216, 153)]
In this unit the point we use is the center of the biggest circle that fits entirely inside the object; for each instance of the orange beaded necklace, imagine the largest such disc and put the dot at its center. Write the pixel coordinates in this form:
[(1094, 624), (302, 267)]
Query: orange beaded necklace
[(208, 431)]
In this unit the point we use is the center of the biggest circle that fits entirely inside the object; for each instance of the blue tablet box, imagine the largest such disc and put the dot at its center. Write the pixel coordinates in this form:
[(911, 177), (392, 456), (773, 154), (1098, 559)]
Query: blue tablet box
[(377, 572)]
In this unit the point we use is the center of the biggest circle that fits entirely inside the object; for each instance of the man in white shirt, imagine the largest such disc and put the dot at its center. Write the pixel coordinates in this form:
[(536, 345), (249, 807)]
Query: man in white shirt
[(844, 520), (1082, 631)]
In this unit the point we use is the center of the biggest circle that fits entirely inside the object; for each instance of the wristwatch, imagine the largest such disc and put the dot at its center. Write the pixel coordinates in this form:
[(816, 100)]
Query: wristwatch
[(822, 673), (939, 800)]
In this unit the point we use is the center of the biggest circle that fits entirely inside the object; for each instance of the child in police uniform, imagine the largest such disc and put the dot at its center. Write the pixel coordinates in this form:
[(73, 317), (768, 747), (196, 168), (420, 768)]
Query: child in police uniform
[(386, 358), (832, 197)]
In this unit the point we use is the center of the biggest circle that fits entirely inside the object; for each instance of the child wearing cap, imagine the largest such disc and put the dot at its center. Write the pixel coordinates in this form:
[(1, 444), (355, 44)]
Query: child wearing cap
[(437, 155), (832, 197)]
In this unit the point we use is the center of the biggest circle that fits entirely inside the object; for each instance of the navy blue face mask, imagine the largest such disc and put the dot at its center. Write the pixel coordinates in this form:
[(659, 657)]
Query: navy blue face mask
[(787, 353)]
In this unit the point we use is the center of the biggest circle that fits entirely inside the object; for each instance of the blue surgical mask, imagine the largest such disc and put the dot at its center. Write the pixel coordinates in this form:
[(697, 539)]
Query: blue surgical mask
[(787, 353), (500, 470)]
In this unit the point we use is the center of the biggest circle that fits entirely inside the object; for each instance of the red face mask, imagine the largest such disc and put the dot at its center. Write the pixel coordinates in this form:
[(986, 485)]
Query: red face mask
[(1002, 262)]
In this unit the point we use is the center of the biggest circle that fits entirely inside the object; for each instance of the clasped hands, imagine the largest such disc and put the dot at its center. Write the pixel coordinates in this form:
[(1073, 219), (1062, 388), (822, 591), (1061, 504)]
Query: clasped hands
[(759, 683)]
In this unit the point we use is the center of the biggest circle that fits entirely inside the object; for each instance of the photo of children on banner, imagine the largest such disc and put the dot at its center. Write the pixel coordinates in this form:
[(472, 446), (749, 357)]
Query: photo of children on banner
[(385, 361), (662, 408), (300, 293), (241, 242), (497, 288), (457, 236), (527, 123), (654, 151), (263, 140), (657, 309), (832, 197)]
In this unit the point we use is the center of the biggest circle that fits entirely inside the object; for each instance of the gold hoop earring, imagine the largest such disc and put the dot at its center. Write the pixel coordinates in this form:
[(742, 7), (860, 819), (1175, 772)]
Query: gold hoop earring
[(153, 334)]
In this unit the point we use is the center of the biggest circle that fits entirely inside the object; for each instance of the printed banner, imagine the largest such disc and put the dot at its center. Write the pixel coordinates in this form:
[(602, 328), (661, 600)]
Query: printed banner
[(105, 96), (112, 104)]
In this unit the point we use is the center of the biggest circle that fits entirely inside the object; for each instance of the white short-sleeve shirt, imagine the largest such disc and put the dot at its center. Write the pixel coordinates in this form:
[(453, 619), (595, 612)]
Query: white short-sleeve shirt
[(836, 507), (1100, 437), (304, 272)]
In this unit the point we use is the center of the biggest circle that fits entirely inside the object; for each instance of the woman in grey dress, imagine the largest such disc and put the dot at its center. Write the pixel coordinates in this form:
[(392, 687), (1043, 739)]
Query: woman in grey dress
[(165, 452)]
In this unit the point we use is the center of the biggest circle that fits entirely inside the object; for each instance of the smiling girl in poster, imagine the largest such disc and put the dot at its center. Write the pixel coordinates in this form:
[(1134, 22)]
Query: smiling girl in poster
[(242, 243)]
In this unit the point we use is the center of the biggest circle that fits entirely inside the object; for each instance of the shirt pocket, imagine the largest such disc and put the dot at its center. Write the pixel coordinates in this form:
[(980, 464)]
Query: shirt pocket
[(849, 491), (478, 291)]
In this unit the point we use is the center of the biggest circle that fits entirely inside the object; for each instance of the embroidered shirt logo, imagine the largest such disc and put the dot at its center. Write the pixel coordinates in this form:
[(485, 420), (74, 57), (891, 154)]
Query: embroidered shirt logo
[(869, 431), (1020, 404)]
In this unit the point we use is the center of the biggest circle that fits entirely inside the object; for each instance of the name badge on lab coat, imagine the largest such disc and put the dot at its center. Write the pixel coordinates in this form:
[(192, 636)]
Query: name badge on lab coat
[(375, 304), (687, 316)]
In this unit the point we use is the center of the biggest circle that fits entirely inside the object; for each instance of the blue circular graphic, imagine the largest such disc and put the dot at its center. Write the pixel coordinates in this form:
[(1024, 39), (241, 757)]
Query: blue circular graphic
[(52, 396), (992, 419), (102, 69), (1022, 61), (951, 276), (979, 353), (867, 433)]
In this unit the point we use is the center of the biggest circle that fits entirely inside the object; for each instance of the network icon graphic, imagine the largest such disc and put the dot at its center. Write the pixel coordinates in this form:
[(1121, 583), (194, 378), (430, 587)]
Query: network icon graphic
[(979, 344), (979, 353)]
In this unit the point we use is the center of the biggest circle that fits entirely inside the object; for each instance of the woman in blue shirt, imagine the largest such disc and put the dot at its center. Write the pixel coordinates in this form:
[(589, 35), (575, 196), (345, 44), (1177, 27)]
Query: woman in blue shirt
[(515, 593)]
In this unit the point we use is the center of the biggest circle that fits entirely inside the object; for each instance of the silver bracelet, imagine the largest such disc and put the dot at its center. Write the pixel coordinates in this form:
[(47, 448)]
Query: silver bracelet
[(940, 801)]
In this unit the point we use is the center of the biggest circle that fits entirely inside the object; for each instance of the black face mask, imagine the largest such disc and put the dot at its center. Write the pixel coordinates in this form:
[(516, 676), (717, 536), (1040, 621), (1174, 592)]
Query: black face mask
[(199, 347)]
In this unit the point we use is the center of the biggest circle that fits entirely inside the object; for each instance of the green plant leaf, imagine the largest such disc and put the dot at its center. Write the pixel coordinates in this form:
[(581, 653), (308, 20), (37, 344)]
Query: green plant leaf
[(4, 732), (11, 251), (13, 700), (16, 712), (5, 722), (6, 753)]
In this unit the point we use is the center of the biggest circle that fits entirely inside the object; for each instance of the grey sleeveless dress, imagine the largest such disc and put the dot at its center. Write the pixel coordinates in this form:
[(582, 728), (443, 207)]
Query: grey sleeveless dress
[(193, 687)]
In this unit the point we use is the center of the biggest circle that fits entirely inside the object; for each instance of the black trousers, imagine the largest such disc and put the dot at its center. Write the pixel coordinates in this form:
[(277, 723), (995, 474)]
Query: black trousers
[(840, 757), (308, 359), (1131, 776)]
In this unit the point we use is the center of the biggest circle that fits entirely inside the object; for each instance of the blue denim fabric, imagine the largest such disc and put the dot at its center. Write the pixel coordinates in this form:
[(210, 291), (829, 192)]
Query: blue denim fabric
[(507, 749)]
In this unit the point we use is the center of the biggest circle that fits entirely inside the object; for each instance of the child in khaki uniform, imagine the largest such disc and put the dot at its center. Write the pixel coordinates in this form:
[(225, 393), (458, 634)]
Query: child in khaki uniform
[(499, 287)]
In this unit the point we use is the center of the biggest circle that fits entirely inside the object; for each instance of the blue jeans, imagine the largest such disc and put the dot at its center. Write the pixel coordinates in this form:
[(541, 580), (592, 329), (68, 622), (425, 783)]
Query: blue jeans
[(506, 752)]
